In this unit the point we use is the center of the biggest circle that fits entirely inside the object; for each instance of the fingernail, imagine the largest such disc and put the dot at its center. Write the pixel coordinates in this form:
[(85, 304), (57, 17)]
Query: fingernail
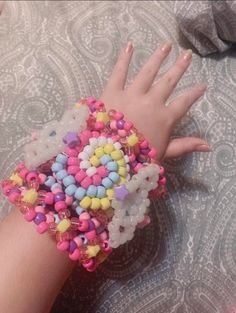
[(202, 87), (129, 47), (187, 55), (165, 47), (203, 148)]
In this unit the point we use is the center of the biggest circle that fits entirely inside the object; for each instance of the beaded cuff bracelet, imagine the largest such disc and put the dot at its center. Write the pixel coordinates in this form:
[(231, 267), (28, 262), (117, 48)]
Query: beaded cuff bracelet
[(89, 186)]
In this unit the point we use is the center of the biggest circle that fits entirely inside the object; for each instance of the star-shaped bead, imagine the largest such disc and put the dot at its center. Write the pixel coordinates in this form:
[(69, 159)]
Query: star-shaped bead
[(121, 192), (71, 139)]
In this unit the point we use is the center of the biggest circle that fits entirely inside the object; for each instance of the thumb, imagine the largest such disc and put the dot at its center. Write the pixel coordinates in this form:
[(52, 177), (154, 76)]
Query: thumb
[(180, 146)]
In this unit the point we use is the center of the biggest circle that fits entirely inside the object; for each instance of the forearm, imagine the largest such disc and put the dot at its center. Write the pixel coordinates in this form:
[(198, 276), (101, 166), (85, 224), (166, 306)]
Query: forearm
[(32, 270)]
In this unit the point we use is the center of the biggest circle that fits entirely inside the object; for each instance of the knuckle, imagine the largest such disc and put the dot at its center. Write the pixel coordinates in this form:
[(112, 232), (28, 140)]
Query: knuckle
[(170, 82)]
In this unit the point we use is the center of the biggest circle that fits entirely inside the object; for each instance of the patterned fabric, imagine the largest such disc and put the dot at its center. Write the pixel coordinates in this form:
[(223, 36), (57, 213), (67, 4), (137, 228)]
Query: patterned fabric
[(209, 25), (53, 53)]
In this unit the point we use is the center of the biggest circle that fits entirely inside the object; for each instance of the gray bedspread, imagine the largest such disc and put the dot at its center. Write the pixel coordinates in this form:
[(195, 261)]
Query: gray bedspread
[(53, 53)]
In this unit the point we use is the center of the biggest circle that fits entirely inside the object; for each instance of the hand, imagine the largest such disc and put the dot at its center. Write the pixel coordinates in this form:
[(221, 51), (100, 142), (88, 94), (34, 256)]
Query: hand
[(143, 102)]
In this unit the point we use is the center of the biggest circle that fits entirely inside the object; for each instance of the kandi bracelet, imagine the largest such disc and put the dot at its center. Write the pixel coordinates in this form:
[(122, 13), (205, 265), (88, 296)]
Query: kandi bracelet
[(87, 180)]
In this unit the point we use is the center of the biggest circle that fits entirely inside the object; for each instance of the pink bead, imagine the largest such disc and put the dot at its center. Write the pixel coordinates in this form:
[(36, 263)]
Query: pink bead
[(84, 216), (88, 264), (49, 198), (20, 166), (6, 189), (73, 161), (128, 125), (113, 124), (138, 167), (60, 205), (39, 209), (102, 171), (96, 222), (56, 190), (162, 171), (31, 176), (83, 225), (122, 132), (42, 227), (69, 200), (99, 105), (73, 169), (30, 215), (86, 182), (162, 181), (63, 245), (71, 152), (23, 172), (144, 144), (96, 180), (42, 178), (75, 255), (95, 134), (105, 247), (78, 241), (115, 138), (132, 157), (152, 153), (90, 235), (49, 218), (103, 236), (80, 176), (99, 125), (90, 100), (13, 197), (84, 137), (118, 116)]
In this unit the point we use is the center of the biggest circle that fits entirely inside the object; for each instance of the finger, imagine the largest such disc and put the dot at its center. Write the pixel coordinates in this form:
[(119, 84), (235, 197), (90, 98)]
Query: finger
[(166, 85), (118, 77), (179, 107), (148, 72), (180, 146)]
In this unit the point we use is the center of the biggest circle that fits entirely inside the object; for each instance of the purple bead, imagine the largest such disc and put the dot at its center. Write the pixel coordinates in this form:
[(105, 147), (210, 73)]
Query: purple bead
[(14, 189), (121, 192), (145, 151), (60, 196), (72, 246), (71, 139), (100, 229), (91, 225), (120, 124), (39, 218), (92, 107)]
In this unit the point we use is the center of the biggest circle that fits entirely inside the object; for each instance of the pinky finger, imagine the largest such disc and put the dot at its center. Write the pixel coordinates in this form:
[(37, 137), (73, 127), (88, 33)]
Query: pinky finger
[(178, 147)]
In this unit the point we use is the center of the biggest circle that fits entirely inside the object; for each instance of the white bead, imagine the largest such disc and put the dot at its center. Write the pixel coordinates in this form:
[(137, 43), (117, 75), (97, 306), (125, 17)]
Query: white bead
[(83, 156), (117, 145), (93, 142), (91, 171), (109, 140), (116, 204), (127, 167), (126, 158), (102, 141), (89, 150), (85, 164)]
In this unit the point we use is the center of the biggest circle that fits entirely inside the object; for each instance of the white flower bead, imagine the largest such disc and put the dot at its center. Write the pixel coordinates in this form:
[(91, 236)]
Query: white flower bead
[(93, 142), (89, 150), (102, 141), (83, 156), (85, 164), (117, 145), (91, 171)]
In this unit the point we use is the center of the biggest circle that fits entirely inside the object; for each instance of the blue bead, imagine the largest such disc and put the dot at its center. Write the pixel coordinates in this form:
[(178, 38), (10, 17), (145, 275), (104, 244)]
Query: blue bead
[(80, 193), (61, 158), (56, 185), (70, 190), (107, 183), (101, 192), (50, 181), (114, 176), (68, 180), (105, 159), (57, 219), (79, 210), (112, 166), (91, 191), (56, 167), (61, 174)]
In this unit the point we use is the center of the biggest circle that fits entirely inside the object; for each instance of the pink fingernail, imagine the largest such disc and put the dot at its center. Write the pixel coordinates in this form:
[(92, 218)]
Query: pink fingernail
[(203, 148), (187, 55), (202, 87), (129, 47), (165, 47)]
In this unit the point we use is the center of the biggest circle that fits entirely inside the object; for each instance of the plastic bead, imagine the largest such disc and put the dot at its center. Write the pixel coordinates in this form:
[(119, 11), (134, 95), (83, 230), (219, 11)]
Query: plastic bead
[(105, 203), (39, 218), (99, 152), (16, 179), (61, 158), (102, 171), (86, 182), (80, 193), (56, 167), (61, 174), (110, 193), (116, 155), (114, 177), (63, 225), (107, 183), (91, 191), (30, 196), (132, 140), (106, 158), (91, 171), (80, 176), (101, 192), (102, 117), (42, 227), (85, 203), (112, 166), (70, 190), (92, 251), (60, 205), (122, 171), (96, 180), (108, 148), (68, 180), (95, 204)]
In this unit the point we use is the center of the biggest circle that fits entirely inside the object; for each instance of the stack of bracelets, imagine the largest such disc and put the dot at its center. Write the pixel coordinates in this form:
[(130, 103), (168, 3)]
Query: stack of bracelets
[(87, 180)]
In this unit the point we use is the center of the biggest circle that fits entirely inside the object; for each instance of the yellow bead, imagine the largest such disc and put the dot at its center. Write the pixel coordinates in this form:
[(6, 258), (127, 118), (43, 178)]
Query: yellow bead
[(132, 140), (108, 148), (105, 203), (116, 155), (85, 202), (122, 181), (78, 105), (102, 117), (110, 193), (96, 204), (122, 171), (121, 162), (63, 225), (30, 196), (16, 179), (99, 152), (92, 251), (94, 161)]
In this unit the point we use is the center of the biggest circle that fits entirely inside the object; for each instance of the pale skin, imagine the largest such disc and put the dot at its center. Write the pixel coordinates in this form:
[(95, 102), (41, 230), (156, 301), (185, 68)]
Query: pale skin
[(32, 269)]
